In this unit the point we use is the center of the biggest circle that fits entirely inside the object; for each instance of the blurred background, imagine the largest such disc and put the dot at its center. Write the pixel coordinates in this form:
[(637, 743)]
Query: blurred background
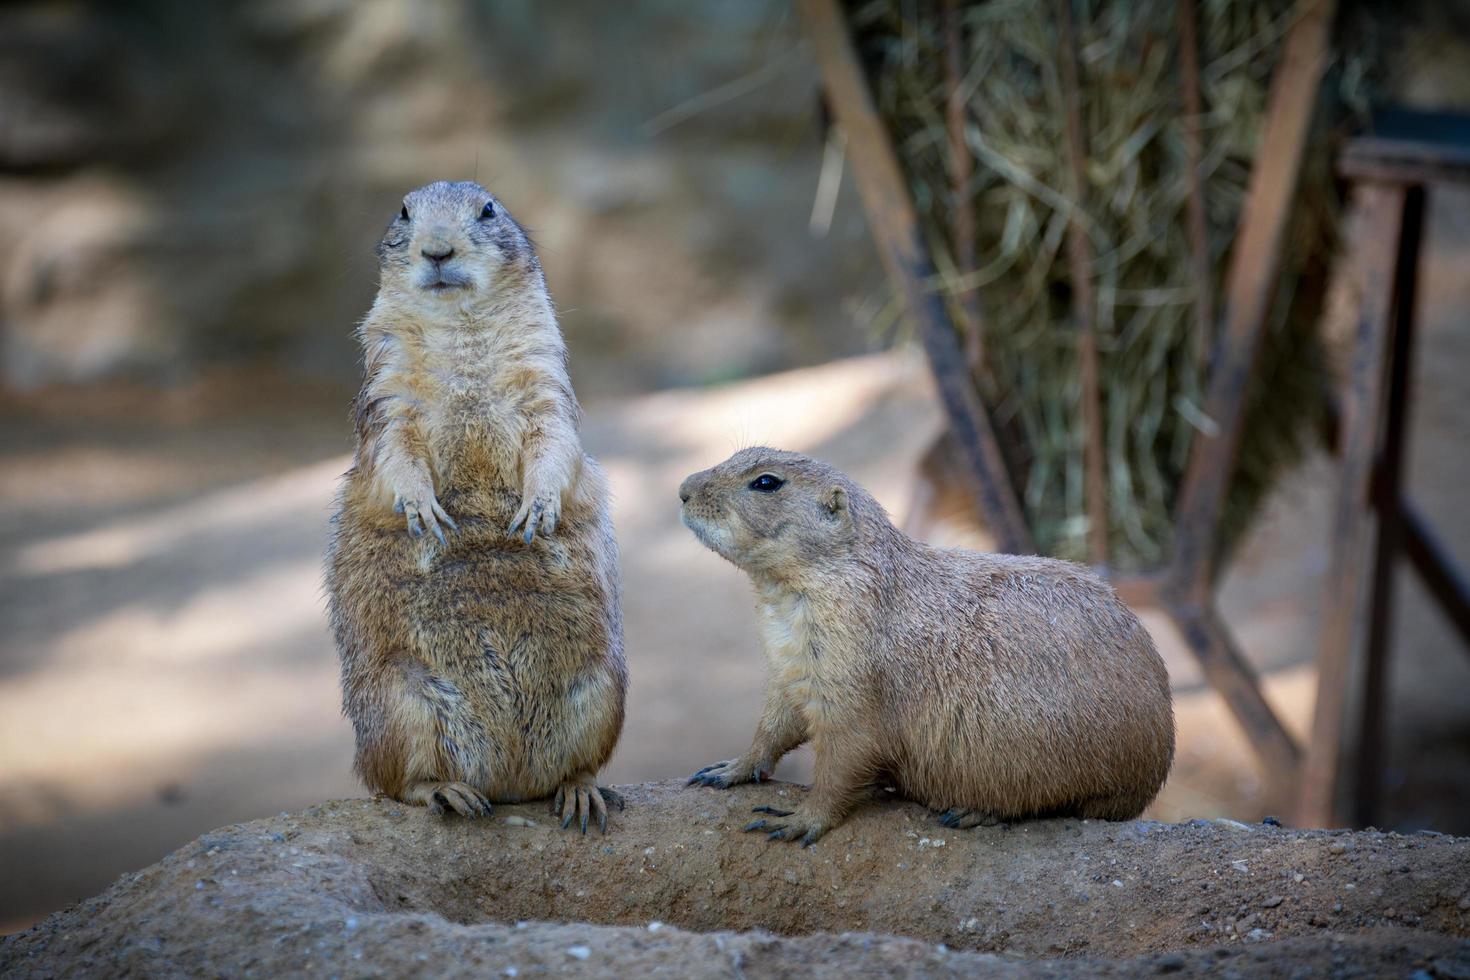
[(189, 196)]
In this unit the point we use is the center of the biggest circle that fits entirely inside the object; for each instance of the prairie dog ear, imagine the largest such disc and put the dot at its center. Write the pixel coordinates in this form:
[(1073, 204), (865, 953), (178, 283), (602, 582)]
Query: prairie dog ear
[(835, 501)]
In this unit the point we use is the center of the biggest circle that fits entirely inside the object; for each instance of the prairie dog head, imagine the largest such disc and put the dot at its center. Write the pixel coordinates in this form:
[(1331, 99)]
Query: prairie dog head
[(774, 513), (454, 244)]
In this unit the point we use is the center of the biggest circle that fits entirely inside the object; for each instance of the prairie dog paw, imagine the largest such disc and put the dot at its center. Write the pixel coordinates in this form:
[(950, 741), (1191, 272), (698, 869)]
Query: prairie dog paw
[(580, 799), (442, 798), (789, 825), (731, 772), (539, 512), (424, 513)]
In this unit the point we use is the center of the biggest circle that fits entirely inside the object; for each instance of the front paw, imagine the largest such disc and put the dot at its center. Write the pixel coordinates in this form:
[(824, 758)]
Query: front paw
[(789, 825), (580, 799), (423, 512), (731, 772), (538, 511)]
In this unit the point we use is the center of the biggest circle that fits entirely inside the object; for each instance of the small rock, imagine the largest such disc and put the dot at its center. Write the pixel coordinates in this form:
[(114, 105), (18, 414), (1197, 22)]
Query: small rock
[(516, 820), (578, 952), (1298, 877), (1272, 821), (1337, 847), (1256, 935), (1273, 901), (655, 926), (1240, 866)]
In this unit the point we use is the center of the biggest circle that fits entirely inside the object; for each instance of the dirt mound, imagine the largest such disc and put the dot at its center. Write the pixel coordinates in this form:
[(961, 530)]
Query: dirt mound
[(373, 887)]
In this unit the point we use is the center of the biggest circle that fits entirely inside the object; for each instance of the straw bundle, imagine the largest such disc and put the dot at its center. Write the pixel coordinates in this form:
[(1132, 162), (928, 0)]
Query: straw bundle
[(1014, 208)]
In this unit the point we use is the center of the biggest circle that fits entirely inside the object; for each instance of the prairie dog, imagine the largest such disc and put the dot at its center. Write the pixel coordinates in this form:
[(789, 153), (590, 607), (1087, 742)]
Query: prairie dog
[(987, 687), (472, 571)]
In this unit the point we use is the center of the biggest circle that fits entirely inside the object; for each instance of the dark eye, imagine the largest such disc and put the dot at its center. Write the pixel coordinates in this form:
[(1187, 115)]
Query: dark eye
[(766, 483), (487, 212), (403, 215)]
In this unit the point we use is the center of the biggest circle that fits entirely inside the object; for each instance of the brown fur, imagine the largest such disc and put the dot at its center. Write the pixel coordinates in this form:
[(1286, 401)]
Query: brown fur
[(992, 687), (489, 665)]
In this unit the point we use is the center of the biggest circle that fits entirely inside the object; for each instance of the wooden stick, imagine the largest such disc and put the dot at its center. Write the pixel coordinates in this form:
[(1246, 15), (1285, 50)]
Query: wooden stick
[(1083, 301), (961, 168), (1199, 242), (1232, 678), (1255, 264), (1376, 245), (1386, 487), (895, 229)]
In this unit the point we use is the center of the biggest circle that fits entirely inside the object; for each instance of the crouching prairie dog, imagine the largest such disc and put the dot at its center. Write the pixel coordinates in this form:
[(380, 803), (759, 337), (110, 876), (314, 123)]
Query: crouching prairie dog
[(472, 571), (987, 687)]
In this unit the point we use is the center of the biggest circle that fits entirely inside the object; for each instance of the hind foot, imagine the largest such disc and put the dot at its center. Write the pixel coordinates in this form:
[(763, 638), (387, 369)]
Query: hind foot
[(441, 798), (791, 825), (580, 799), (962, 819)]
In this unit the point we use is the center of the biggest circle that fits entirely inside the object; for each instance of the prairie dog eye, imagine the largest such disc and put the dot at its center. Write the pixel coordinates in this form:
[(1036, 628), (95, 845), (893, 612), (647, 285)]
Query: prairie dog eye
[(403, 215), (487, 212), (767, 483)]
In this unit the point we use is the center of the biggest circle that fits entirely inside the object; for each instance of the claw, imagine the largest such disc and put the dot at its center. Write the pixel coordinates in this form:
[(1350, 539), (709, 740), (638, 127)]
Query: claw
[(415, 525), (755, 825), (772, 811), (443, 515), (567, 820), (810, 838), (439, 533), (778, 834)]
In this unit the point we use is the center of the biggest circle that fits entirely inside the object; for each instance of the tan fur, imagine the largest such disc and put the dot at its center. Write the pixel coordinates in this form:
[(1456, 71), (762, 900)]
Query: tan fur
[(488, 666), (992, 687)]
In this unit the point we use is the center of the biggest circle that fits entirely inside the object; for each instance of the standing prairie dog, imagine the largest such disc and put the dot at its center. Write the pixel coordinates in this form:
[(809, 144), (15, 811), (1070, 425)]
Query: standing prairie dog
[(472, 572), (989, 687)]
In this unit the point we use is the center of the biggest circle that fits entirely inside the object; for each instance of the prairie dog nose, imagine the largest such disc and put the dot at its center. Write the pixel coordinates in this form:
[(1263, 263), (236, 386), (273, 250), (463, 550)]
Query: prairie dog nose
[(686, 489), (437, 253)]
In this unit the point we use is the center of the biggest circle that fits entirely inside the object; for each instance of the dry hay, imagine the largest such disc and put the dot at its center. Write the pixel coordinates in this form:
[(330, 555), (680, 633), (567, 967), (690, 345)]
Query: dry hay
[(1153, 359)]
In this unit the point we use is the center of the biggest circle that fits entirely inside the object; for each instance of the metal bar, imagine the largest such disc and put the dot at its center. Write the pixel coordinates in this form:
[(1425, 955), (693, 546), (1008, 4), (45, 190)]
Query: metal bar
[(1083, 301), (1386, 487), (1254, 268), (1376, 246), (895, 230), (1232, 678), (1199, 242), (1437, 569)]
